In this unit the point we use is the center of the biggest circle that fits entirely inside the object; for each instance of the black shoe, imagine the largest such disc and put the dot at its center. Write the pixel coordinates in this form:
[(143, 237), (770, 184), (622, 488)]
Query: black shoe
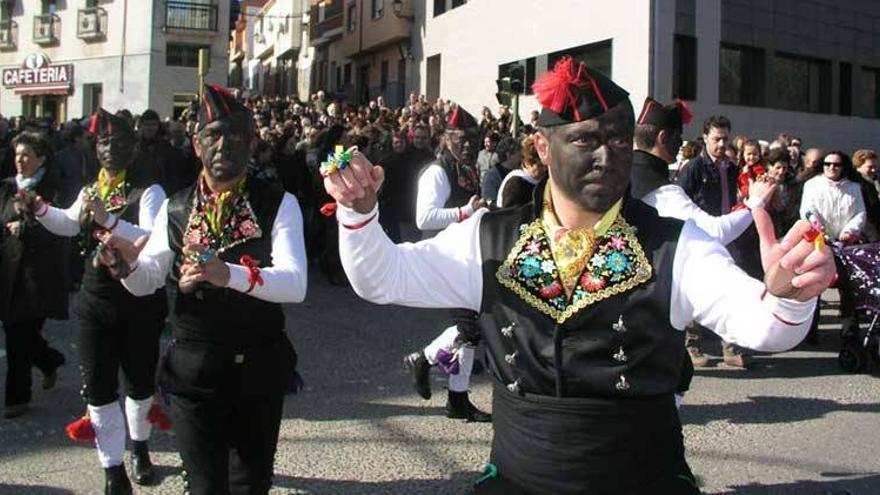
[(51, 377), (141, 466), (116, 481), (419, 366), (15, 410), (459, 406)]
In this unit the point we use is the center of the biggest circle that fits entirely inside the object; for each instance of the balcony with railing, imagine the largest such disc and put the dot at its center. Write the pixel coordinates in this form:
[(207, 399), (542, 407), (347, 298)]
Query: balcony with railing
[(191, 16), (91, 24), (47, 29), (8, 35)]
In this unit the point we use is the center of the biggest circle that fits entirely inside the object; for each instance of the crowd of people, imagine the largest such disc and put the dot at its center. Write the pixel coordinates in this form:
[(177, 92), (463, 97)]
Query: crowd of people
[(121, 197)]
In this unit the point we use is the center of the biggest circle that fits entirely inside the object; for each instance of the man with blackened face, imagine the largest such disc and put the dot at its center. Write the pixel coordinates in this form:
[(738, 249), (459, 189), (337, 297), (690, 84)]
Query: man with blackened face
[(583, 296), (123, 202), (234, 245)]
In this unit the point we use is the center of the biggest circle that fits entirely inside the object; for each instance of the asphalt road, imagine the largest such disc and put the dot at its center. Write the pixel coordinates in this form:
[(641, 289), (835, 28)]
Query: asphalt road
[(795, 424)]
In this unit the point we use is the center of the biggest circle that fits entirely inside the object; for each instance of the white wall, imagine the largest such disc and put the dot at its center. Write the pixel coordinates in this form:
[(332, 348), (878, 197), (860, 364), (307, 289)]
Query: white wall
[(475, 38), (94, 61)]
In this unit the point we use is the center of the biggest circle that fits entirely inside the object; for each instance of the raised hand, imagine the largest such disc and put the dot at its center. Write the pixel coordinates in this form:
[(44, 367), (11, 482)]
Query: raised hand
[(96, 207), (793, 267), (476, 203), (761, 190), (212, 270), (356, 185)]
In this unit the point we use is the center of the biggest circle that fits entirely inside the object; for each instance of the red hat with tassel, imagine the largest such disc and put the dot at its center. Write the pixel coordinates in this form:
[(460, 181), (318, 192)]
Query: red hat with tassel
[(673, 116)]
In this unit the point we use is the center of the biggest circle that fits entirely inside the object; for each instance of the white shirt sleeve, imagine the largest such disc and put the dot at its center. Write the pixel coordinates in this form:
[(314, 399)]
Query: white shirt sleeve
[(286, 280), (441, 272), (63, 222), (809, 198), (856, 224), (148, 208), (708, 287), (672, 201), (154, 262), (434, 190)]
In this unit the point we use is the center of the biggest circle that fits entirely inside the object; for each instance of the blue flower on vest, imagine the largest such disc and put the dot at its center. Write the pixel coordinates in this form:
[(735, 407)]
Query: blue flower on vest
[(617, 262), (530, 267)]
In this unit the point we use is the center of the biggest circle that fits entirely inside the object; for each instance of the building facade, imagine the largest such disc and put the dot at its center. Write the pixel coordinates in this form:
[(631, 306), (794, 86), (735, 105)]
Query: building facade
[(132, 54), (807, 68)]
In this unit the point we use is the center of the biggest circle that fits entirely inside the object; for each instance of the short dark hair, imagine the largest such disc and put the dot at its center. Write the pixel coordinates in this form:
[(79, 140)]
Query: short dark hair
[(645, 136), (716, 122), (38, 142), (779, 155)]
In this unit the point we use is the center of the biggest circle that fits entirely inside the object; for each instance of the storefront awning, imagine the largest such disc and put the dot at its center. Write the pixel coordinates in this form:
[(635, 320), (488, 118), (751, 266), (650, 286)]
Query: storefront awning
[(63, 90)]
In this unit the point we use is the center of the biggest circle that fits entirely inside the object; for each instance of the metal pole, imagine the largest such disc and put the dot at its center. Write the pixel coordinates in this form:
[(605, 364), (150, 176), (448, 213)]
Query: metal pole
[(515, 115), (204, 65)]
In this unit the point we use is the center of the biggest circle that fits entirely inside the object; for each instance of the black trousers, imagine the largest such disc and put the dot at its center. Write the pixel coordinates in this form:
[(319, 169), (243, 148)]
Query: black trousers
[(26, 348), (116, 336), (227, 443)]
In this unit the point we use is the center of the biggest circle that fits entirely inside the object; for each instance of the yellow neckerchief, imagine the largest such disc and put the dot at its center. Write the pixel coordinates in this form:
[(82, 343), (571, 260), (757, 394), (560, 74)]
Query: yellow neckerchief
[(217, 207), (573, 248), (107, 185)]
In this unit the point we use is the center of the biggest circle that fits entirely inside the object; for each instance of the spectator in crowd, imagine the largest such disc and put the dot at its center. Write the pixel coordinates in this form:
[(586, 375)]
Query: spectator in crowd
[(710, 181), (750, 164), (865, 163), (518, 186), (488, 156)]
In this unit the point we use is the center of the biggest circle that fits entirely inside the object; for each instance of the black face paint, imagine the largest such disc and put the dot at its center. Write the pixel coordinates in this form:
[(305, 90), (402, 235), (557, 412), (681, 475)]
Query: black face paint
[(463, 144), (116, 151), (673, 143), (224, 147), (590, 161)]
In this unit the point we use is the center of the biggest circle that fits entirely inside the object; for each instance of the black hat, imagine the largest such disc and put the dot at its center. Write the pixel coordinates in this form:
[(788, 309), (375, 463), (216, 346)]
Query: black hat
[(460, 119), (573, 93), (149, 114), (218, 103), (105, 123), (673, 116)]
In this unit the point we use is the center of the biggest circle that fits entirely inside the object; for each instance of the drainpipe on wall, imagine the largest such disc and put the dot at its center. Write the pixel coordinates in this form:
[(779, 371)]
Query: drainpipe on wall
[(653, 47), (122, 56)]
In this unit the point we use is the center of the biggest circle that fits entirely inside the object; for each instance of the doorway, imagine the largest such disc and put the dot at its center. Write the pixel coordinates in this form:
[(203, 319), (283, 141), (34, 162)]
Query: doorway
[(53, 107)]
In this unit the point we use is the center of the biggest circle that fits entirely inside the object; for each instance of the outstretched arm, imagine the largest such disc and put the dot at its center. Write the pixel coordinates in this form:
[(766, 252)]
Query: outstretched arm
[(440, 272), (770, 316)]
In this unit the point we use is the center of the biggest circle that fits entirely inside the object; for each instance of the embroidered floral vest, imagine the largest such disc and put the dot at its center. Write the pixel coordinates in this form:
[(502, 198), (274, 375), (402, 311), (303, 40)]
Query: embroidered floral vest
[(612, 338), (226, 315), (124, 202)]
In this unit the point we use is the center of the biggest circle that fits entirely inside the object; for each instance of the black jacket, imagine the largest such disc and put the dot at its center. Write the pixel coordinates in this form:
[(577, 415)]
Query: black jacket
[(32, 267)]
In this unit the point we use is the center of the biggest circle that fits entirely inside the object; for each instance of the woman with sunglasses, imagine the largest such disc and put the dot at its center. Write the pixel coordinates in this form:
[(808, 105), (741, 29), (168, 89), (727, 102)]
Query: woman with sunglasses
[(838, 203)]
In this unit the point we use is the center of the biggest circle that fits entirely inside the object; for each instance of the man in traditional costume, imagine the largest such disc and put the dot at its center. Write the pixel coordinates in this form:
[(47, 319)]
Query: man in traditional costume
[(583, 296), (448, 192), (234, 245), (118, 331)]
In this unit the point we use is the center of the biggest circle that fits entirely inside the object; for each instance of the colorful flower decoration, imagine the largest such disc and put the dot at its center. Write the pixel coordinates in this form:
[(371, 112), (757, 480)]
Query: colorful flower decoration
[(340, 159), (617, 263), (531, 267)]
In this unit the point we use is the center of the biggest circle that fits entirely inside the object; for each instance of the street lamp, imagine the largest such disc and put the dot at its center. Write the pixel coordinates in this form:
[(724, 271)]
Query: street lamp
[(397, 6)]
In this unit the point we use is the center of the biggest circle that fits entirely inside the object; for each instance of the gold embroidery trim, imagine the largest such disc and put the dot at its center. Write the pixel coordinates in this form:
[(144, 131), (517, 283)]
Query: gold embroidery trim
[(642, 273)]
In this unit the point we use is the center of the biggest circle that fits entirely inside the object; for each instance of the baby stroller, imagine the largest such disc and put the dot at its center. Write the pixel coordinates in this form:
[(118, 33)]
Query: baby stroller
[(859, 271)]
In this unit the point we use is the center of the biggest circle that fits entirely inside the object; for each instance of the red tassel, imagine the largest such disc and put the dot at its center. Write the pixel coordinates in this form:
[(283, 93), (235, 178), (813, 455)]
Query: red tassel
[(93, 124), (553, 89), (329, 209), (686, 115), (158, 418), (81, 430)]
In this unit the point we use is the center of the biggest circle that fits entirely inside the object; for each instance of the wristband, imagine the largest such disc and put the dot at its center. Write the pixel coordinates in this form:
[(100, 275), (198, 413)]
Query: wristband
[(254, 277), (45, 210), (359, 225)]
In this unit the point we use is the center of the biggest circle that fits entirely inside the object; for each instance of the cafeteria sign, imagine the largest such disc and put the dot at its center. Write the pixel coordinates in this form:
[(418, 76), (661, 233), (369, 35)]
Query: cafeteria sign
[(38, 73)]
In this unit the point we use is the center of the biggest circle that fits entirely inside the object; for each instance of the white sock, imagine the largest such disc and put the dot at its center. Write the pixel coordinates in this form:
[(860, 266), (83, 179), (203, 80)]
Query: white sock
[(109, 427), (445, 340), (136, 411), (461, 382)]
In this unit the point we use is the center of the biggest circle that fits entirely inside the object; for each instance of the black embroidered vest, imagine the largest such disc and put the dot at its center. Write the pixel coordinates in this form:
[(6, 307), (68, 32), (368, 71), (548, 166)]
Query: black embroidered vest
[(619, 344), (226, 316), (97, 281)]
